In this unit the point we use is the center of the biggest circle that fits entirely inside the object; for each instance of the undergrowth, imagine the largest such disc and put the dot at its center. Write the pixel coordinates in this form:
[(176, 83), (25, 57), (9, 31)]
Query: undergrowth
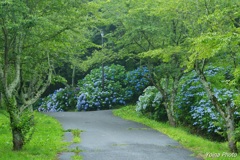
[(46, 142)]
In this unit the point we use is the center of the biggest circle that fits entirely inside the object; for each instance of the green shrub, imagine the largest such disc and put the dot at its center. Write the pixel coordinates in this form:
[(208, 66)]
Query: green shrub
[(150, 104)]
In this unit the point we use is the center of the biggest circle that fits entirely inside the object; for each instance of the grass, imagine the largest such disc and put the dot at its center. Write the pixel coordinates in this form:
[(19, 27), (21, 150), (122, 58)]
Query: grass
[(46, 143), (76, 135), (76, 139), (76, 157), (198, 145)]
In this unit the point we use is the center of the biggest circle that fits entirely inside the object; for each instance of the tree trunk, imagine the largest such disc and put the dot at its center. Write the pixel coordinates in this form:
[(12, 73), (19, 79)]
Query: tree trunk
[(17, 135), (167, 105), (230, 124), (1, 107), (170, 115), (231, 137), (103, 78), (18, 138), (172, 102), (73, 76)]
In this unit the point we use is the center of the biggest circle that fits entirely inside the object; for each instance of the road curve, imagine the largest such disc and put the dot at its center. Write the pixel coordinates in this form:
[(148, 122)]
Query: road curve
[(107, 137)]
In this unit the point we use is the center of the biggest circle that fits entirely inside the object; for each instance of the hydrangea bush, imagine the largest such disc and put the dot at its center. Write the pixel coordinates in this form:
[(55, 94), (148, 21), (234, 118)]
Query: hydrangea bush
[(93, 97), (194, 107), (150, 104), (120, 87), (136, 81), (196, 110), (63, 99)]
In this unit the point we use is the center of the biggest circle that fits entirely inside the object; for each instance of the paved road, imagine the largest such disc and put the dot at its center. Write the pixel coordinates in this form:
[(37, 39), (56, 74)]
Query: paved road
[(107, 137)]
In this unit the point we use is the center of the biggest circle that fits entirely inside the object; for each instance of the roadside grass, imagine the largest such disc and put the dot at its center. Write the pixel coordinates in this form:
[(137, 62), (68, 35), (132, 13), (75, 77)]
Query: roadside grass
[(199, 146), (76, 135), (46, 142), (76, 139)]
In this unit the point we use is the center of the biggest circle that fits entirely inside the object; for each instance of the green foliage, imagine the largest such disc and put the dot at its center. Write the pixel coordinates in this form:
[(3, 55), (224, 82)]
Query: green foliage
[(150, 104), (104, 56), (161, 54), (26, 123)]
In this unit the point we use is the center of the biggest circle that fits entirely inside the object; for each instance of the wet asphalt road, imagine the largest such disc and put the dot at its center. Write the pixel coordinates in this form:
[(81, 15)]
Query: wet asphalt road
[(107, 137)]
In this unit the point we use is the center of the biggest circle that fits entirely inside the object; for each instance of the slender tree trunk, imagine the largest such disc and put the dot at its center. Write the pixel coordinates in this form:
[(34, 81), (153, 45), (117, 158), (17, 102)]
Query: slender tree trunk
[(1, 107), (172, 100), (168, 105), (103, 79), (170, 113), (232, 143), (171, 118), (73, 75), (230, 124)]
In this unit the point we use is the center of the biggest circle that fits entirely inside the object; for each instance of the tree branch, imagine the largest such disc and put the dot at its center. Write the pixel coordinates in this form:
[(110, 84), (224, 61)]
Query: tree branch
[(47, 38), (149, 42), (140, 45), (2, 79), (17, 50), (208, 89), (16, 81), (38, 93)]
